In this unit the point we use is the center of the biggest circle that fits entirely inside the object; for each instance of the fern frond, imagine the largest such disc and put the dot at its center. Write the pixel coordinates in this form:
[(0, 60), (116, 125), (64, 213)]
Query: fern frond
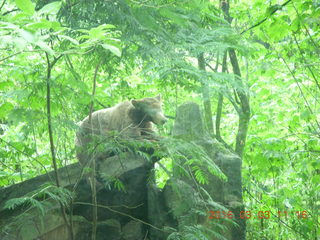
[(25, 202), (200, 175), (32, 199), (119, 185), (189, 153)]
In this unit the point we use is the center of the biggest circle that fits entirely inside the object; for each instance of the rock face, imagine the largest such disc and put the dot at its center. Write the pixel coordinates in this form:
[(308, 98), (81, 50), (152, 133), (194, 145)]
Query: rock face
[(182, 196), (142, 210), (188, 121), (116, 210)]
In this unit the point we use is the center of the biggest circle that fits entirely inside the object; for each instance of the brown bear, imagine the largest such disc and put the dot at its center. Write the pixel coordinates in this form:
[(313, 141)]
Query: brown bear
[(127, 119)]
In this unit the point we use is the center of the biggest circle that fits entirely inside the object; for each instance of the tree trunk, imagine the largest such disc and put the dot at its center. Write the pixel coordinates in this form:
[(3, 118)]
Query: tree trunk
[(206, 96), (244, 113)]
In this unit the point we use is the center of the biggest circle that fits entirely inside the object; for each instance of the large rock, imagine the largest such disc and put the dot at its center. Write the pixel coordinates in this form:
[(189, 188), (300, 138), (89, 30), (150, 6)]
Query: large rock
[(115, 206), (133, 230), (182, 194)]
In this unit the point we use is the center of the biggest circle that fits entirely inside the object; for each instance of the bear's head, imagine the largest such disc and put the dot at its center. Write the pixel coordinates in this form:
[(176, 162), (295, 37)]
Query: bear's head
[(151, 109)]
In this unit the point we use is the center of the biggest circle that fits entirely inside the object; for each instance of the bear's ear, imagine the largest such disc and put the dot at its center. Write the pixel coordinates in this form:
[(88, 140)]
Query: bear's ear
[(158, 97), (135, 103)]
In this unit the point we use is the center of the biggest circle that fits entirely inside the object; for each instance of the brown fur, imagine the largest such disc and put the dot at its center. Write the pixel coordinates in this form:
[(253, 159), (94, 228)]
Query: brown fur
[(128, 119)]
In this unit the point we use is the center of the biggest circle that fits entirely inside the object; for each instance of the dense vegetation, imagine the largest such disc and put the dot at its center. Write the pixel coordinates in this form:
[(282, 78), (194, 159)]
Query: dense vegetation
[(253, 66)]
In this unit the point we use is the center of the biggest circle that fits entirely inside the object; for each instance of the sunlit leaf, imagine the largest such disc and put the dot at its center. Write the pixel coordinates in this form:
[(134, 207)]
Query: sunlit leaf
[(74, 41), (5, 108), (26, 5), (115, 50), (51, 8), (44, 47)]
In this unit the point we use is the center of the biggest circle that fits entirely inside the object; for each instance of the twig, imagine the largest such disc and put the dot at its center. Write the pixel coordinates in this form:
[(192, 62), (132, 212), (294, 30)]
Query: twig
[(165, 169), (12, 55), (10, 11), (146, 235), (209, 66), (52, 147), (284, 223), (170, 117), (304, 59), (220, 101), (266, 18), (24, 153), (123, 214), (101, 104), (93, 180), (300, 89), (4, 1)]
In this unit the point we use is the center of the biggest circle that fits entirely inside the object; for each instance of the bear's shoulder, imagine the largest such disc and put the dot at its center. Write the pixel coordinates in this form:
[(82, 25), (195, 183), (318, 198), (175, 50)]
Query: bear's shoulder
[(124, 104)]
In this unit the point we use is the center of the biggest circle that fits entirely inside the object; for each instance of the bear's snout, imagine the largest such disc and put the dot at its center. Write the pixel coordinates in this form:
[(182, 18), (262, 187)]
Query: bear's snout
[(163, 121), (160, 119)]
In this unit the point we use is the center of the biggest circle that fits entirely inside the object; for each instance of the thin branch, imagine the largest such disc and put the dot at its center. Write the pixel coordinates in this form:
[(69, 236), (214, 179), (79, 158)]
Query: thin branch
[(123, 214), (304, 26), (151, 6), (27, 155), (209, 66), (234, 104), (93, 180), (300, 89), (304, 59), (55, 60), (101, 104), (10, 11), (165, 169), (169, 116), (311, 38), (266, 18), (70, 65), (220, 101), (4, 1), (275, 215), (52, 148), (93, 90), (12, 55)]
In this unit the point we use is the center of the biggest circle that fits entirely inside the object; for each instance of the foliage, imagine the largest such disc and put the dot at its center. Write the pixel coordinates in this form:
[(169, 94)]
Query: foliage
[(195, 232), (34, 199), (39, 202), (189, 158), (282, 159), (140, 48)]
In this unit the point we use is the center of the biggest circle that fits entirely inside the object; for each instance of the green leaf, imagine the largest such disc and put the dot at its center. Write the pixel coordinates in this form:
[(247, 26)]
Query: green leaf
[(315, 179), (174, 16), (28, 36), (26, 6), (5, 109), (43, 24), (44, 47), (144, 17), (51, 8), (6, 84), (74, 41), (295, 24), (270, 10), (115, 50), (305, 115), (100, 31)]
